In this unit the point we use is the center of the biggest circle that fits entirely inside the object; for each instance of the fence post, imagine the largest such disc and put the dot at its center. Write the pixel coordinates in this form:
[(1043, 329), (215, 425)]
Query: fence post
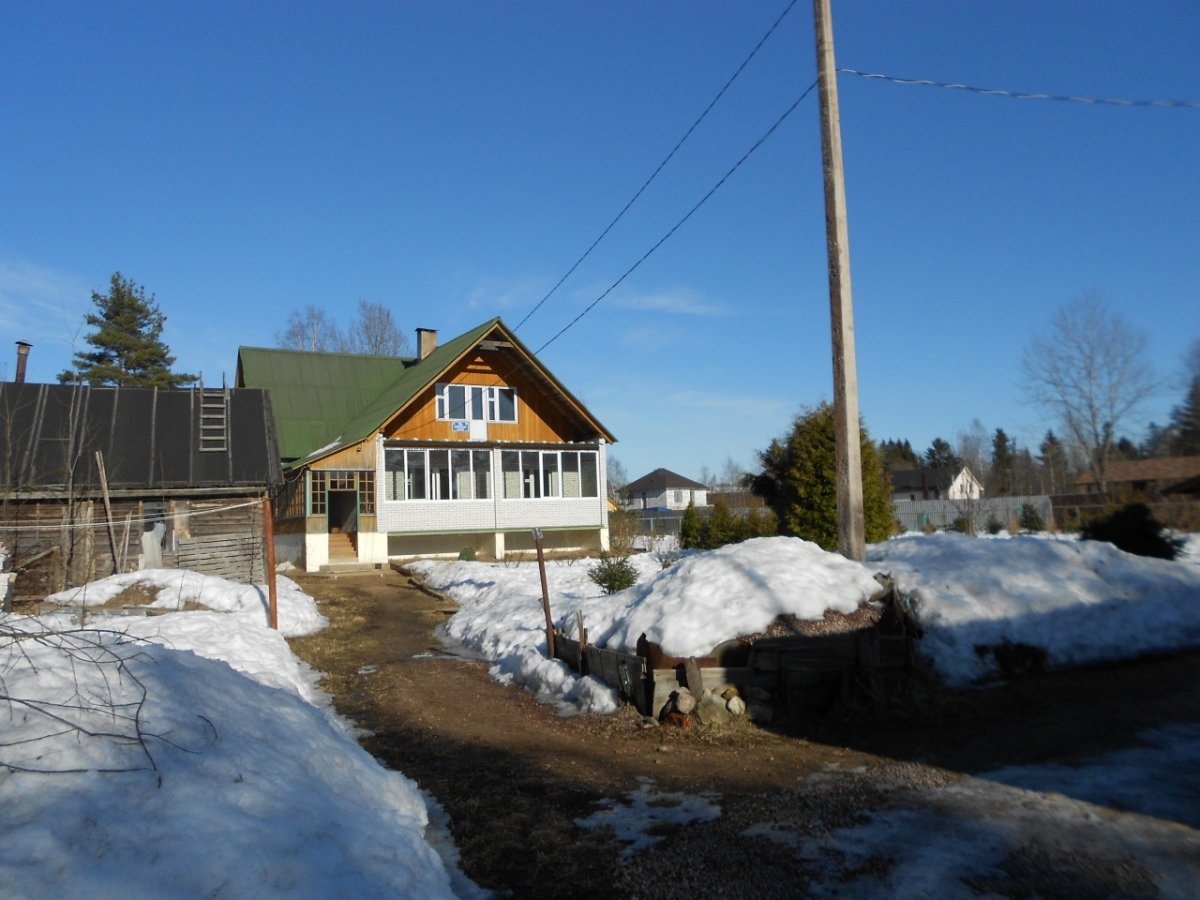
[(269, 540), (541, 558)]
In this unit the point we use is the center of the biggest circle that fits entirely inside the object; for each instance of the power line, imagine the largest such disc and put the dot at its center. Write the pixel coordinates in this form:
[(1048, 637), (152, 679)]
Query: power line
[(662, 240), (1018, 95), (661, 166)]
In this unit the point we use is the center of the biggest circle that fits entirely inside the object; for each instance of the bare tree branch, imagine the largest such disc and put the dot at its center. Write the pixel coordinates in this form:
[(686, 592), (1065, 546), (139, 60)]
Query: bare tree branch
[(1089, 370)]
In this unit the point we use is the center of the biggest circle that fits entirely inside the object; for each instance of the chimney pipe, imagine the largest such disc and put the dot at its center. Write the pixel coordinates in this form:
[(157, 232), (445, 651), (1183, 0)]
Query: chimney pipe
[(22, 359), (426, 342)]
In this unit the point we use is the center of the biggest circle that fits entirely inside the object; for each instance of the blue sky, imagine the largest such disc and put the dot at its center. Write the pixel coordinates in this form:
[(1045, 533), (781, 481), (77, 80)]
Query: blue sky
[(453, 159)]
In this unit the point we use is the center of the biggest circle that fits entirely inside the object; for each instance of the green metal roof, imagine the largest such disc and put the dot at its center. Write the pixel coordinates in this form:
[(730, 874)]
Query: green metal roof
[(314, 395), (326, 401)]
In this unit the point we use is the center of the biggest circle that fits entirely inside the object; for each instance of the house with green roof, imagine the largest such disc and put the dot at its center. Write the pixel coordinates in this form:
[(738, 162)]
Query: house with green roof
[(469, 445)]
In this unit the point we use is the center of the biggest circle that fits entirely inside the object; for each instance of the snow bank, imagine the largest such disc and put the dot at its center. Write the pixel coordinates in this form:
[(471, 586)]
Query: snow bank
[(177, 587), (1082, 601), (234, 788)]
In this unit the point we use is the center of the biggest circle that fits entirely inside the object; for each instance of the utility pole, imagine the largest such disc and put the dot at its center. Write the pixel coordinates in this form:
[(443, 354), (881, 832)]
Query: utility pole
[(851, 530)]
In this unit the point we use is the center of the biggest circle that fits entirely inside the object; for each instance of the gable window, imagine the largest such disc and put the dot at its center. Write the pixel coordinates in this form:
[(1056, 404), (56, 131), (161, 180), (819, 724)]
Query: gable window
[(436, 474), (476, 403)]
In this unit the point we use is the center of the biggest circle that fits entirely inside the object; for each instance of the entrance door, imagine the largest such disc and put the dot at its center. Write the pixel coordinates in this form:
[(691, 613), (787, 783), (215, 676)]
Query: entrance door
[(343, 525)]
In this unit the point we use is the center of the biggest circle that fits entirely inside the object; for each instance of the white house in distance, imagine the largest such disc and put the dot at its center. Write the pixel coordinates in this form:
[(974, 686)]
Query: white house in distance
[(946, 483), (469, 446), (663, 489)]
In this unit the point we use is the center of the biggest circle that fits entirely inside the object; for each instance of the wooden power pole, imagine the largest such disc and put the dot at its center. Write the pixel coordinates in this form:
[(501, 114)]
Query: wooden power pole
[(851, 530)]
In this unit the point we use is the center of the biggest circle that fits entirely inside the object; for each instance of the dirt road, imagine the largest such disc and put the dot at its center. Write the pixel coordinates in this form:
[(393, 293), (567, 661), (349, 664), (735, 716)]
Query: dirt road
[(514, 777)]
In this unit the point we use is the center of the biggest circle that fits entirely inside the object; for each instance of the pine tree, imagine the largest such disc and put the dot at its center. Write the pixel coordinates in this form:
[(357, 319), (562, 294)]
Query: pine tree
[(1054, 464), (798, 481), (941, 455), (1002, 463), (128, 341), (1185, 423), (898, 454)]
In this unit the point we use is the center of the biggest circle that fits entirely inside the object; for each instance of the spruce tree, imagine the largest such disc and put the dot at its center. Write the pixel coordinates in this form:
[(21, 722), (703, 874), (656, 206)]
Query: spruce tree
[(1002, 463), (798, 481), (722, 527), (1054, 464), (128, 341), (941, 455), (1185, 423), (689, 528)]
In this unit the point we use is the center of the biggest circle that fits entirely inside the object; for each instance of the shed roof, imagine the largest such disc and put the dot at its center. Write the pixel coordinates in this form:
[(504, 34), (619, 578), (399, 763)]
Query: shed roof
[(1164, 470), (150, 440)]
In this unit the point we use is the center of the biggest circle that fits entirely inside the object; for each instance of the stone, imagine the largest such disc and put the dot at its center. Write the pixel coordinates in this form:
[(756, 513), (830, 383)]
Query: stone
[(736, 705), (711, 711), (684, 701), (729, 693)]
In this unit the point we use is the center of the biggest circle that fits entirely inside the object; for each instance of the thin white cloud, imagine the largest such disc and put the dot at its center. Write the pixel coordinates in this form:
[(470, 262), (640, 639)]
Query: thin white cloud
[(43, 306), (677, 301), (496, 294), (743, 405)]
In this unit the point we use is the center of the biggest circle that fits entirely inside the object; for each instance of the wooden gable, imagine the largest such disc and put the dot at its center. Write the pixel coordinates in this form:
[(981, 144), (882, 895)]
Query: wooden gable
[(545, 413)]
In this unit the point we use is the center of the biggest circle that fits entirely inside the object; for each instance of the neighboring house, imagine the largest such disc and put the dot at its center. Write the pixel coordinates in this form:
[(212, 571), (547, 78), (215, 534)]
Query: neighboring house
[(1188, 488), (663, 489), (179, 473), (1144, 478), (468, 446), (946, 483)]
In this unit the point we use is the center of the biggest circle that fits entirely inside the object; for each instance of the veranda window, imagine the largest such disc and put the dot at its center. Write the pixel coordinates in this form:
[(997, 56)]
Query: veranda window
[(437, 474), (538, 474)]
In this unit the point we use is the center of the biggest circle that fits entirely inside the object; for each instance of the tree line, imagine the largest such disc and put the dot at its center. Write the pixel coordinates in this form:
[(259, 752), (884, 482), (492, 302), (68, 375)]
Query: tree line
[(127, 346)]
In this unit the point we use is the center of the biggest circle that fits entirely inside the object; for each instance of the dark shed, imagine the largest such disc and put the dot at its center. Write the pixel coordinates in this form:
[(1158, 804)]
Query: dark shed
[(190, 465)]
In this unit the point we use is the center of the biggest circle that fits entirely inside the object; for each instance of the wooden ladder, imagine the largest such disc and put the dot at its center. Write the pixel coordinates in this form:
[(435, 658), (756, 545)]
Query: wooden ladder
[(214, 421)]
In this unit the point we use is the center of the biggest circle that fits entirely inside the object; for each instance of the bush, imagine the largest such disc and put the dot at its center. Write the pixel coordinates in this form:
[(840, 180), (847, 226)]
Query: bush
[(1134, 529), (994, 525), (467, 554), (689, 527), (1030, 520), (613, 573)]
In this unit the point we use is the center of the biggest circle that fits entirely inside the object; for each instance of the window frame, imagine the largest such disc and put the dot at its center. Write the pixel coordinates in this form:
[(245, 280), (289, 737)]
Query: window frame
[(440, 481), (476, 402), (525, 475)]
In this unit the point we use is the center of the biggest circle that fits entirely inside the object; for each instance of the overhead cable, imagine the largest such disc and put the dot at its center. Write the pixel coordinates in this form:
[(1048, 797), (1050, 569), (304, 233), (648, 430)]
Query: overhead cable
[(661, 166), (662, 240), (1017, 95)]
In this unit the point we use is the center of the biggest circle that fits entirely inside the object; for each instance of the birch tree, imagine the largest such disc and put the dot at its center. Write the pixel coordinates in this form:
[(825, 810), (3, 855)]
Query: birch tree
[(1089, 370)]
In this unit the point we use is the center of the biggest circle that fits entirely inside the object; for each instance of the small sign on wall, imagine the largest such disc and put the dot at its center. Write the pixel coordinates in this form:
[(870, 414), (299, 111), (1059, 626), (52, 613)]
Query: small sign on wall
[(460, 425)]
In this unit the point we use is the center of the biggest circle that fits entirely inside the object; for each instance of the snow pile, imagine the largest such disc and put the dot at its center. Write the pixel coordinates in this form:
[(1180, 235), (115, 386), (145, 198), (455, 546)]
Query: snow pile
[(136, 761), (178, 587), (707, 598), (1081, 601)]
